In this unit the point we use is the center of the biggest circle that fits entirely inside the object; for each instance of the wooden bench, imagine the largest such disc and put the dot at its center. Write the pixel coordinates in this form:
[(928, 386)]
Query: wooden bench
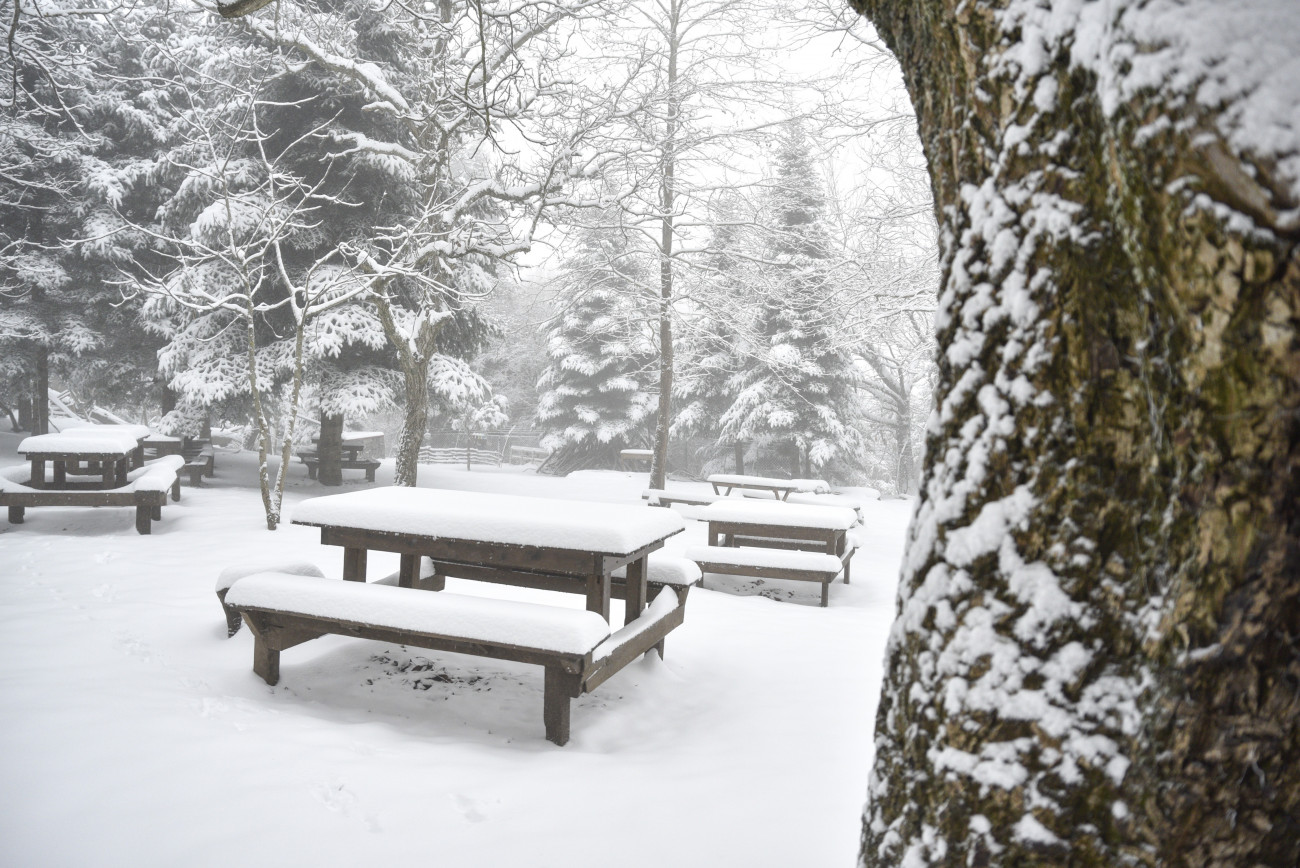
[(575, 648), (659, 497), (146, 490), (774, 563), (312, 460), (200, 461)]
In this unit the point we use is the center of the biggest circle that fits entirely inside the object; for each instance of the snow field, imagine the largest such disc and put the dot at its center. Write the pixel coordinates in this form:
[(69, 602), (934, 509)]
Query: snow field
[(136, 733)]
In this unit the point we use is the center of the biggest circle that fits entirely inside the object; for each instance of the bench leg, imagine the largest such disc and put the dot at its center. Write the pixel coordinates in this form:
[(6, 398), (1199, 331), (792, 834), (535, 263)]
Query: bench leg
[(156, 515), (311, 471), (555, 705), (266, 661), (176, 489), (846, 572), (16, 514), (143, 514), (826, 593), (233, 620), (370, 474), (196, 476)]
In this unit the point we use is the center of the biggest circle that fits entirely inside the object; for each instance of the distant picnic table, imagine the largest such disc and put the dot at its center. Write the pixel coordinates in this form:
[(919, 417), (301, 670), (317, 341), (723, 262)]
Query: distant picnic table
[(781, 488), (95, 466)]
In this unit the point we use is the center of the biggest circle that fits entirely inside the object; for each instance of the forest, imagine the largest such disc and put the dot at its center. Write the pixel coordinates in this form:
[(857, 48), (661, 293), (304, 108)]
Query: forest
[(584, 226)]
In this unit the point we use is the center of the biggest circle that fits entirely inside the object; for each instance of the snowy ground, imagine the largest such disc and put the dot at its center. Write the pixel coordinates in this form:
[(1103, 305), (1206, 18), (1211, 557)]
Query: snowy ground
[(135, 733)]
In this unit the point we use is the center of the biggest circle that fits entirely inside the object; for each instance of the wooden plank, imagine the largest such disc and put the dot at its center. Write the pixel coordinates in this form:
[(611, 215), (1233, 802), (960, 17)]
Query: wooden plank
[(295, 625), (354, 564), (512, 557), (653, 637)]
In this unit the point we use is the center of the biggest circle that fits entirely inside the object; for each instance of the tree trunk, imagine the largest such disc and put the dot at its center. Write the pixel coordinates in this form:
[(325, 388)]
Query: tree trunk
[(329, 450), (667, 206), (1095, 660), (41, 391), (414, 423), (738, 450)]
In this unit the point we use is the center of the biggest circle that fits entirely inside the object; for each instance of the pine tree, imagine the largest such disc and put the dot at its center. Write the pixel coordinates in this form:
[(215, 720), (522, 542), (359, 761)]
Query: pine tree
[(795, 397), (594, 401)]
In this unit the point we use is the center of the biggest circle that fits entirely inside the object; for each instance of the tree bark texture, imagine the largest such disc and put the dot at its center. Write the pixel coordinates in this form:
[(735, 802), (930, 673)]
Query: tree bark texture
[(1096, 659)]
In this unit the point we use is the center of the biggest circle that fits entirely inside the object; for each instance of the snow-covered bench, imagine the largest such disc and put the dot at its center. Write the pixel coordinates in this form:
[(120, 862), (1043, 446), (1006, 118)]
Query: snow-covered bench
[(146, 489), (659, 497), (772, 563), (575, 648), (312, 461)]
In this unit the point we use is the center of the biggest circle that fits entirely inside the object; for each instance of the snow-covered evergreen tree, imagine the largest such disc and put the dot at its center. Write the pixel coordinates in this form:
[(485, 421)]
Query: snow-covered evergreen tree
[(795, 396), (594, 398)]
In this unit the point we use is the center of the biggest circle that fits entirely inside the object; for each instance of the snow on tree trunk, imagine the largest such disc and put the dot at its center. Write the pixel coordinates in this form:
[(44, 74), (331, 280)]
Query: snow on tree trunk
[(1095, 658), (414, 423)]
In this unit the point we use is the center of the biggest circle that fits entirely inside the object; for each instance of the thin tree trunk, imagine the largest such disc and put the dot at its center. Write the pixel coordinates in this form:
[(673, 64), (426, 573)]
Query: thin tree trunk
[(41, 387), (329, 450), (1095, 661), (667, 203), (738, 450)]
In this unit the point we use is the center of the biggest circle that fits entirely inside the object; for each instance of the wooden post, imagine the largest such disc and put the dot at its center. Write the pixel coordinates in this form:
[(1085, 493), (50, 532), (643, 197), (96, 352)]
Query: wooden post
[(555, 706), (143, 513), (37, 473), (266, 661), (354, 565), (408, 575), (635, 597), (598, 590), (16, 514)]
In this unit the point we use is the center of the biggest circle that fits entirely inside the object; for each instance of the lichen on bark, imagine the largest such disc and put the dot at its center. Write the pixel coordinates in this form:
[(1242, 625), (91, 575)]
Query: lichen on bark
[(1096, 659)]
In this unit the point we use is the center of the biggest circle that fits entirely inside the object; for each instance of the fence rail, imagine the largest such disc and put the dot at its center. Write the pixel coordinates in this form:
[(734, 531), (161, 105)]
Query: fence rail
[(459, 455)]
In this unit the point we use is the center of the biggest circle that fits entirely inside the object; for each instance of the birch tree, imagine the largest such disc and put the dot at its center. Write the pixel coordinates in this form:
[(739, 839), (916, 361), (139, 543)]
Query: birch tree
[(1094, 661)]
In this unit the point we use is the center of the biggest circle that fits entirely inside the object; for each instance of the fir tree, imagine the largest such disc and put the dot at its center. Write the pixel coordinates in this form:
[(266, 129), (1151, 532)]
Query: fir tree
[(594, 402), (795, 395)]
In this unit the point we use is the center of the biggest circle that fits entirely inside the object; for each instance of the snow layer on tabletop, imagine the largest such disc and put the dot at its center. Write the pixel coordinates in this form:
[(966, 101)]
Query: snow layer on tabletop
[(235, 572), (776, 559), (781, 514), (528, 625), (78, 440), (667, 570), (663, 604), (133, 431), (805, 485), (499, 518)]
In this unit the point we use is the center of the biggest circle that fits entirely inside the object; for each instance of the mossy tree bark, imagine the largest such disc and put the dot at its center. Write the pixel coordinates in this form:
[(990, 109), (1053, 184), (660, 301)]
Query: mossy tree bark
[(1097, 654)]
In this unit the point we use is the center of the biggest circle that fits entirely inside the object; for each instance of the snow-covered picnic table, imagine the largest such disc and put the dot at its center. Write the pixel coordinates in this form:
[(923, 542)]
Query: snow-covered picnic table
[(787, 525), (780, 488), (109, 452), (560, 545)]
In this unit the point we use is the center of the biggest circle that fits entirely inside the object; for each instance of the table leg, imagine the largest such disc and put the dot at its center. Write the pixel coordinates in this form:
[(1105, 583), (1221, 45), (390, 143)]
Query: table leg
[(354, 565), (107, 474), (408, 574), (137, 457), (635, 599), (123, 466), (60, 474), (598, 593), (715, 488), (38, 473)]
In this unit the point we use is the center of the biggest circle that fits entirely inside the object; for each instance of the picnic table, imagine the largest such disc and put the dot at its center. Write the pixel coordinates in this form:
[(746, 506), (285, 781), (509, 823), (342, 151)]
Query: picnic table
[(80, 452), (781, 488), (781, 541), (635, 459), (139, 432), (571, 546)]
